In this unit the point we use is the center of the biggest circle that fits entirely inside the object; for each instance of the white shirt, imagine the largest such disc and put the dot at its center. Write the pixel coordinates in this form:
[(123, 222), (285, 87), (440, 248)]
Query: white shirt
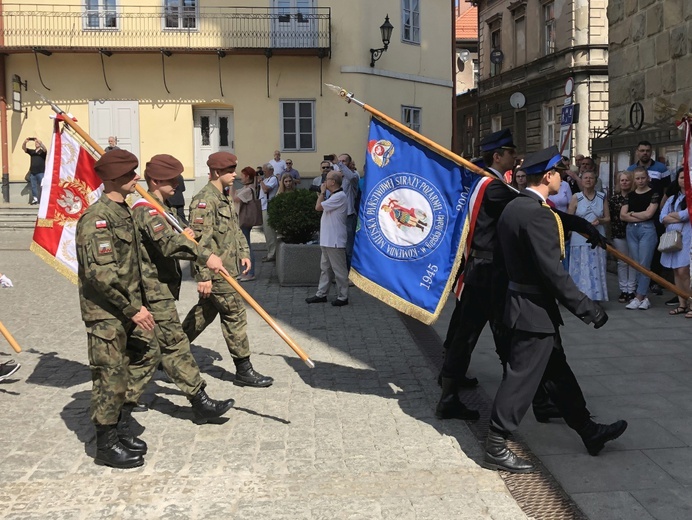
[(273, 184), (537, 193), (333, 222), (279, 167)]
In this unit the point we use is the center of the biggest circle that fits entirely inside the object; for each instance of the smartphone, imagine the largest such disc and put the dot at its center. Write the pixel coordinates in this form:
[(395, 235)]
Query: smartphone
[(32, 138), (329, 158)]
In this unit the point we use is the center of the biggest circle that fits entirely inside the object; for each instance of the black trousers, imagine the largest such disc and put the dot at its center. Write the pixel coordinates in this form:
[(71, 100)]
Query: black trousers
[(537, 360), (473, 310)]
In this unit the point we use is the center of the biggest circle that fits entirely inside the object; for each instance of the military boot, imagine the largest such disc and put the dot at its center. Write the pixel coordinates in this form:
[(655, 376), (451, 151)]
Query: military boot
[(125, 434), (499, 457), (206, 408), (450, 406), (543, 408), (596, 435), (111, 452), (245, 375)]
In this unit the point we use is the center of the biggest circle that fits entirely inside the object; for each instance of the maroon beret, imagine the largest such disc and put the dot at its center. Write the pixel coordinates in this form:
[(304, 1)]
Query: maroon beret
[(221, 161), (163, 167), (114, 164)]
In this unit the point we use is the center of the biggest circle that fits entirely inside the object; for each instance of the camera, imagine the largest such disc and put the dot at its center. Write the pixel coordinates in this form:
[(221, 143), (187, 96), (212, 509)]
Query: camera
[(32, 138), (329, 157)]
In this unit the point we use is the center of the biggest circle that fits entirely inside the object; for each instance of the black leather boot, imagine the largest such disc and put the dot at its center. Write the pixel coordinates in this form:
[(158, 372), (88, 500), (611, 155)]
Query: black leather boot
[(499, 457), (245, 375), (125, 435), (450, 407), (464, 382), (543, 408), (111, 452), (596, 435), (206, 408)]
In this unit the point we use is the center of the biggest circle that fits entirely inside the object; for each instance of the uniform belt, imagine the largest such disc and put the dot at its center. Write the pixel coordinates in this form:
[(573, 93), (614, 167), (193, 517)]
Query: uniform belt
[(484, 255), (524, 288)]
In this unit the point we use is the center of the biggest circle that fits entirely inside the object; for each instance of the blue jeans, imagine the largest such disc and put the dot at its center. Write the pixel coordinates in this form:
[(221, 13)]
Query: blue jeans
[(641, 242), (246, 232), (35, 179)]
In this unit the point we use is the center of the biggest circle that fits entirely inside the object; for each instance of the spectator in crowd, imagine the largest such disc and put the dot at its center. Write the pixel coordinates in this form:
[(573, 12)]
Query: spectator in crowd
[(627, 275), (278, 163), (659, 177), (589, 165), (292, 172), (37, 166), (286, 184), (112, 144), (562, 198), (325, 168), (639, 211), (269, 186), (519, 180), (332, 241), (675, 216), (587, 266), (243, 196), (350, 186), (177, 202), (573, 179)]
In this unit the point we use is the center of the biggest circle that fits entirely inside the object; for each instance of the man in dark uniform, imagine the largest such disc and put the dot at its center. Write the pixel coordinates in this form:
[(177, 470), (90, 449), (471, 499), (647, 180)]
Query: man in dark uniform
[(485, 282), (112, 305), (532, 245), (216, 227), (160, 249)]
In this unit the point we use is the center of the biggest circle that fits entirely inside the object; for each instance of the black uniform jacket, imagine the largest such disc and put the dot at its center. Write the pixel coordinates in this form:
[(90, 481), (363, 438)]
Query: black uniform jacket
[(529, 242)]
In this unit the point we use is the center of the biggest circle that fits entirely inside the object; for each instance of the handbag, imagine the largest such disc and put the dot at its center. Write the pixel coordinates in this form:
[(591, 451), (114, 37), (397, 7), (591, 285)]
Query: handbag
[(250, 213), (670, 242)]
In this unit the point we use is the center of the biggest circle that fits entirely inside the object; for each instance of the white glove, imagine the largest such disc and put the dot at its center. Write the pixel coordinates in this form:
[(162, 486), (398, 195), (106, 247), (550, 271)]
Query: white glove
[(5, 282)]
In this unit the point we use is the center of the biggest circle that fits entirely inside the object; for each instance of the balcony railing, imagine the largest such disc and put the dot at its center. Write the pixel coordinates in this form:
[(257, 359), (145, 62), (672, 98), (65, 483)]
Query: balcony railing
[(236, 29)]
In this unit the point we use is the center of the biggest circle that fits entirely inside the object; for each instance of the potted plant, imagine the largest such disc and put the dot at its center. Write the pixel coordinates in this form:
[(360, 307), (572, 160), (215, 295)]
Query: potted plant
[(296, 221)]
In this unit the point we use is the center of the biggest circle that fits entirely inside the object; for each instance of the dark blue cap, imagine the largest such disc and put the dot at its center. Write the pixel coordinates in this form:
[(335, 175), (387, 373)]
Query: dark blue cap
[(541, 161), (501, 139)]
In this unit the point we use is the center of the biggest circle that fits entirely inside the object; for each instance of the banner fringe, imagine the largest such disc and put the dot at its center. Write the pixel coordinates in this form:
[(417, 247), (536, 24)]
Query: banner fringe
[(53, 262)]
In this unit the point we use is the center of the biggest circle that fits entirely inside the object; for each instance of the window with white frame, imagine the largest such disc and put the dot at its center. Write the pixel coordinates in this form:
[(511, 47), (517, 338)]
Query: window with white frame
[(548, 28), (298, 125), (496, 123), (180, 14), (476, 73), (100, 14), (410, 116), (410, 21), (548, 126), (519, 40)]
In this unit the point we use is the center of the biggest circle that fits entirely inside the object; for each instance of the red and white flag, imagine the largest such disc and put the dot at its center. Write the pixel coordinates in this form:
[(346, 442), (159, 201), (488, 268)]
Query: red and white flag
[(686, 125), (70, 186)]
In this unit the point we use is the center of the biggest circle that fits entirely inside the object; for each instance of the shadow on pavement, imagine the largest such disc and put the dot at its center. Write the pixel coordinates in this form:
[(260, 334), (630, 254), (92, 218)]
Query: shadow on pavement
[(52, 370), (75, 415)]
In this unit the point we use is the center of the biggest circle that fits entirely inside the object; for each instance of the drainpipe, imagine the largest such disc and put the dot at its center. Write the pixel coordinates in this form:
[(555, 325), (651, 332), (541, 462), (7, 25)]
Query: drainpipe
[(3, 116)]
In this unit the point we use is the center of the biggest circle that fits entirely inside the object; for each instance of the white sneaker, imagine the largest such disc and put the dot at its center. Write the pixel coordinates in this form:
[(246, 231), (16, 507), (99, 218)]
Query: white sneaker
[(645, 304), (635, 303)]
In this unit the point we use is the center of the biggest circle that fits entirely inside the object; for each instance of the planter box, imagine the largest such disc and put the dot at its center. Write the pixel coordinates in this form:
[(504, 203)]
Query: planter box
[(298, 265)]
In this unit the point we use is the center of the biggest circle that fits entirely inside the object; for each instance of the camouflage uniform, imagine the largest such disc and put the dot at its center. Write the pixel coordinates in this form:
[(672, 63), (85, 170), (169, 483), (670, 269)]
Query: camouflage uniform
[(110, 295), (216, 227), (160, 247)]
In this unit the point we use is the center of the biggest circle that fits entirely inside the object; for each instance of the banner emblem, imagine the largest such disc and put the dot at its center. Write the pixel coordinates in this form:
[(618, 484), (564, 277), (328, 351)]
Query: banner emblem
[(381, 151), (404, 216)]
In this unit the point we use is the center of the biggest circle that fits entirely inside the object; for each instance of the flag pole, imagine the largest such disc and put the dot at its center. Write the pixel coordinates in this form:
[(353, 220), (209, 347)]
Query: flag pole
[(13, 343), (458, 159), (234, 283)]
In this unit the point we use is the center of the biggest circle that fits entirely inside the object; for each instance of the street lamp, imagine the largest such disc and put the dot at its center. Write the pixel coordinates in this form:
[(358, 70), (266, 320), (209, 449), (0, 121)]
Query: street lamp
[(386, 30)]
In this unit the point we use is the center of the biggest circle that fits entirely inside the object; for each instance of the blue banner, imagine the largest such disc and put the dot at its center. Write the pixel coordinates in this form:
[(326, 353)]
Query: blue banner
[(412, 223)]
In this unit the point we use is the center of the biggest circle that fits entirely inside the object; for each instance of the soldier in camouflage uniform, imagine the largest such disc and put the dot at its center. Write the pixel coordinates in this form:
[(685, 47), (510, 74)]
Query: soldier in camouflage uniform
[(160, 247), (216, 227), (112, 305)]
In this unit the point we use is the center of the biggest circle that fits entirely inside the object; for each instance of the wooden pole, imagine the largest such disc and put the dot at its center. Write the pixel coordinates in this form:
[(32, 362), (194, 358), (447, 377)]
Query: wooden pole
[(348, 96), (13, 343), (234, 283)]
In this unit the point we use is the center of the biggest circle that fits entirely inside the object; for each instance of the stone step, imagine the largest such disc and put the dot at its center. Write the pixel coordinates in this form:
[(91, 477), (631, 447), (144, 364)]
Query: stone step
[(17, 216)]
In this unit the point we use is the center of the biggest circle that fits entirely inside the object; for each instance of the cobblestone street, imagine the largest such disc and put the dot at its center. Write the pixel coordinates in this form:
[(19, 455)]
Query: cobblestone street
[(355, 438)]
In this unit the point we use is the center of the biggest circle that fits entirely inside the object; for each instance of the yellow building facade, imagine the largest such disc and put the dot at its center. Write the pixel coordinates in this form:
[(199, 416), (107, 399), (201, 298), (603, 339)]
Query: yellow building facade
[(190, 77)]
